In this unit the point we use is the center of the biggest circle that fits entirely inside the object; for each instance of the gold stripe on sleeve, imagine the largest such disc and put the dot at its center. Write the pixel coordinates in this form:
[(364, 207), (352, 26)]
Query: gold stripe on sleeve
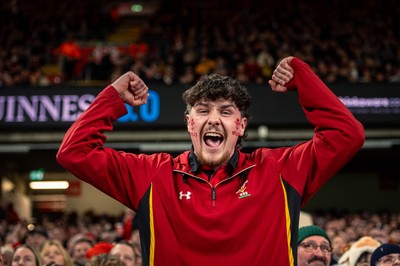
[(152, 237), (288, 232)]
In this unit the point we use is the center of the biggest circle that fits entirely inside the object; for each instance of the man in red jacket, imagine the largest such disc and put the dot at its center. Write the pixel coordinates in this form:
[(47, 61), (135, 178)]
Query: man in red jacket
[(214, 204)]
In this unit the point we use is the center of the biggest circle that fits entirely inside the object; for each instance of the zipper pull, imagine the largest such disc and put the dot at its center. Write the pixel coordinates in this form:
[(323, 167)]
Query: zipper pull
[(185, 178), (213, 195)]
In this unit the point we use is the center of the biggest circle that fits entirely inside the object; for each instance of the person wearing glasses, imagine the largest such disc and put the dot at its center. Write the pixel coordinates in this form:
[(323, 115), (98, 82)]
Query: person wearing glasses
[(386, 255), (314, 247)]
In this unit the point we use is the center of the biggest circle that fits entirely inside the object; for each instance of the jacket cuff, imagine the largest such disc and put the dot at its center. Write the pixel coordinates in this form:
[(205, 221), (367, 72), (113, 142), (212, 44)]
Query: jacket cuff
[(115, 100)]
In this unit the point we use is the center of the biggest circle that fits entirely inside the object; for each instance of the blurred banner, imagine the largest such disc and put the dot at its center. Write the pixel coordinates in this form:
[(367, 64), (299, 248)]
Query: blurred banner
[(375, 105)]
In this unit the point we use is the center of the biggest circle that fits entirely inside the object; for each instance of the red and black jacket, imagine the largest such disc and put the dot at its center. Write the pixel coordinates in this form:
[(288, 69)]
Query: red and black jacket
[(247, 214)]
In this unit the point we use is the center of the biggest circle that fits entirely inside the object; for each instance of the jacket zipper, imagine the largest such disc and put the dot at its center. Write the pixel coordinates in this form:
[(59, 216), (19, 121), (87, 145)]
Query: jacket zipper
[(214, 188), (213, 195)]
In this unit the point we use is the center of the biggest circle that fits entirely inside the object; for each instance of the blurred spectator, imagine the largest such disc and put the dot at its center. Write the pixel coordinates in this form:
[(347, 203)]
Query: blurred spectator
[(25, 256), (99, 248), (241, 74), (339, 244), (360, 252), (6, 254), (188, 77), (36, 238), (394, 237), (135, 241), (69, 53), (125, 252), (105, 260), (348, 227), (53, 252), (128, 220), (386, 254), (253, 69), (79, 249), (360, 45), (380, 234), (205, 65), (168, 76), (138, 49)]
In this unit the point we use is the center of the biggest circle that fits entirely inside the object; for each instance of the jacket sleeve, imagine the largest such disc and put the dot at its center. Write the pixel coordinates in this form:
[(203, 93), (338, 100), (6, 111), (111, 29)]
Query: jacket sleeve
[(123, 176), (338, 136)]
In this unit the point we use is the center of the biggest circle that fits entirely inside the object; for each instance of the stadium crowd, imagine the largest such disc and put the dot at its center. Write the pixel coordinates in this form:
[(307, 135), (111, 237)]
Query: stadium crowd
[(344, 41), (83, 237)]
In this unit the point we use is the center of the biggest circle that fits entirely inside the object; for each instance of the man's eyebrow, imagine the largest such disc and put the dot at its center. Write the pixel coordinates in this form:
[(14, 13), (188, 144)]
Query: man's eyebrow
[(206, 104), (201, 104), (230, 105)]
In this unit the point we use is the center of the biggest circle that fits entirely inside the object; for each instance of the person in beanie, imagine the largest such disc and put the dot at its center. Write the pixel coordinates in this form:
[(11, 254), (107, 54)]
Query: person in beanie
[(386, 255), (314, 247)]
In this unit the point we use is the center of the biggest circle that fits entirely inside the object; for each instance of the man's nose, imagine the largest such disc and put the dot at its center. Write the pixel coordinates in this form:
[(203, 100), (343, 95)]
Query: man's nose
[(214, 119), (318, 251), (213, 122)]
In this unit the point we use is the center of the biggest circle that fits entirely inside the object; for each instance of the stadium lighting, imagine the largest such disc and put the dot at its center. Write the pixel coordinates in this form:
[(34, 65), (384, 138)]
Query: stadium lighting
[(49, 185), (136, 8)]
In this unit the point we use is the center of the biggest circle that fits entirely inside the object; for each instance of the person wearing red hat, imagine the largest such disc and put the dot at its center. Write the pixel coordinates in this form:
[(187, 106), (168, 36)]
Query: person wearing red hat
[(99, 248)]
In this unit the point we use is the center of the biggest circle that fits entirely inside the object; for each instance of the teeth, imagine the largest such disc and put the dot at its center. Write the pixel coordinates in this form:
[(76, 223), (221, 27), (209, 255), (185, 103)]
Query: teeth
[(211, 134)]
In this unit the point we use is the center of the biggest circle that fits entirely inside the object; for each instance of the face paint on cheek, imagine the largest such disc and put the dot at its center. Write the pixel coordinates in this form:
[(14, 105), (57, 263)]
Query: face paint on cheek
[(237, 122), (191, 126), (236, 131)]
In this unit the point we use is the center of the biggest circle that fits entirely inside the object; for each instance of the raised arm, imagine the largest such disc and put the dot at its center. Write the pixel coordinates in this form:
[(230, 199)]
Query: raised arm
[(82, 150), (338, 136)]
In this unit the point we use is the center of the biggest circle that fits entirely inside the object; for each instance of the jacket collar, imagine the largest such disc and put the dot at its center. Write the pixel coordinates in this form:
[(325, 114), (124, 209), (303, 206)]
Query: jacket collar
[(195, 165)]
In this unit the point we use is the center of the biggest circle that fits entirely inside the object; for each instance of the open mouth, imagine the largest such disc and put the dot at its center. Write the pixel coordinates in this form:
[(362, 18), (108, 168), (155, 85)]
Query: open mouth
[(213, 139)]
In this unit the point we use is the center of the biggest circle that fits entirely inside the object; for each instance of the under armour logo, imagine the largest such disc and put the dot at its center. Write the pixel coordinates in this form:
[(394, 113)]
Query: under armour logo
[(187, 195)]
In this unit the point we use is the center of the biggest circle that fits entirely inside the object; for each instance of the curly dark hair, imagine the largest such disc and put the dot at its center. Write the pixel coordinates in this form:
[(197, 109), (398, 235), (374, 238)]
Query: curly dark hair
[(213, 87)]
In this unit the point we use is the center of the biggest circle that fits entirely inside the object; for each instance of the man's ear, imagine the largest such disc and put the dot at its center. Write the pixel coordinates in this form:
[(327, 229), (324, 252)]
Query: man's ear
[(187, 117), (243, 125)]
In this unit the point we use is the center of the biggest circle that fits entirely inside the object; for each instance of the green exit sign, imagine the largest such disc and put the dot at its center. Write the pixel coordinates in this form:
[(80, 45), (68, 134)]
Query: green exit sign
[(36, 175)]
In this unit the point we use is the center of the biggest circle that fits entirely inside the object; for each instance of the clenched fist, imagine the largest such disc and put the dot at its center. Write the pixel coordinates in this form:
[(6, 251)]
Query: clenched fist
[(131, 89)]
